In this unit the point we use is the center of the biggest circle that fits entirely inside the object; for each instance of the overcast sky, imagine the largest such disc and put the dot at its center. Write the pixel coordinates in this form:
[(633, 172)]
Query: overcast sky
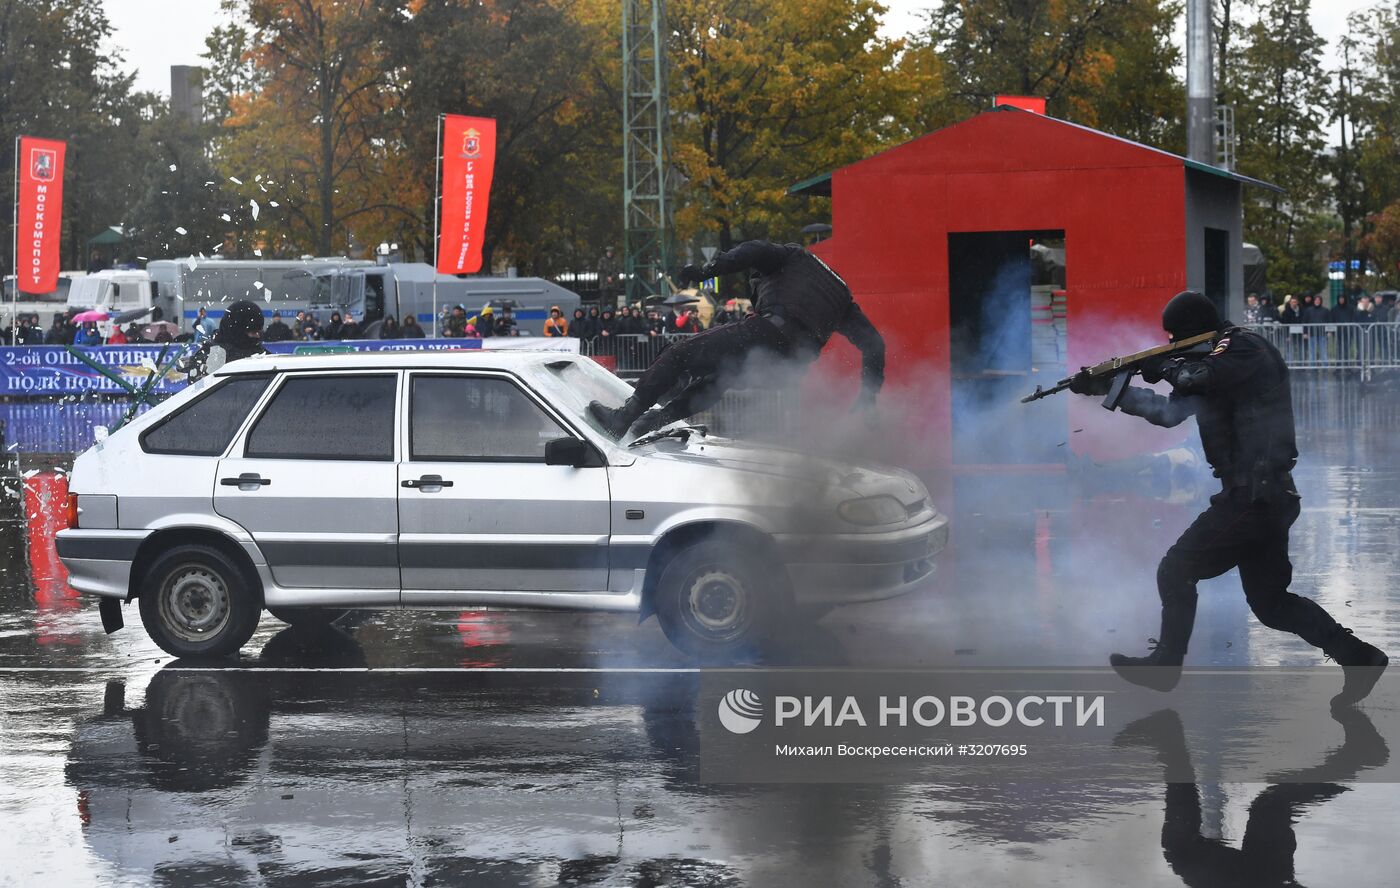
[(152, 35)]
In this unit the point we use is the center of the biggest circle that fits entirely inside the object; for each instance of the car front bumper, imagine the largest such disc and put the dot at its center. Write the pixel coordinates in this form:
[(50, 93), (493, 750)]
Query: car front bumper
[(836, 569)]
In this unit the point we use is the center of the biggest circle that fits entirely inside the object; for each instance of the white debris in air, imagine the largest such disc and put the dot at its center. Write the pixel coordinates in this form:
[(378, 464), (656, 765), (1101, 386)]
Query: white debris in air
[(253, 206), (257, 253), (235, 180), (191, 263), (142, 259), (268, 294), (173, 168), (226, 217), (258, 284), (273, 203), (179, 230)]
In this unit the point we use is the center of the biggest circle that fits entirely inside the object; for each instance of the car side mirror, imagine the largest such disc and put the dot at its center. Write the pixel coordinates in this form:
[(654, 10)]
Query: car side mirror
[(568, 452)]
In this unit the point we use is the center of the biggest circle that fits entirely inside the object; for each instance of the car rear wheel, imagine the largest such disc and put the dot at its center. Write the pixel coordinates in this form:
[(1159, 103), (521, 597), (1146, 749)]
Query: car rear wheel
[(716, 602), (308, 616), (197, 602)]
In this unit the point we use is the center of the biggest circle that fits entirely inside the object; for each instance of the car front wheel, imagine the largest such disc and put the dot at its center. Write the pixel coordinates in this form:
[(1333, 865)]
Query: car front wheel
[(196, 602), (717, 602)]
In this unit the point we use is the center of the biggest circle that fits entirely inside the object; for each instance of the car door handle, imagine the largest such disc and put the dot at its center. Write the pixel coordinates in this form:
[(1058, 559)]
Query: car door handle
[(427, 481), (246, 481)]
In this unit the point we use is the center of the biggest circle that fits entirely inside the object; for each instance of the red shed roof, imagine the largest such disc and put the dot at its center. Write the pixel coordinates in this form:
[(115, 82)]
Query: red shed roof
[(1006, 139)]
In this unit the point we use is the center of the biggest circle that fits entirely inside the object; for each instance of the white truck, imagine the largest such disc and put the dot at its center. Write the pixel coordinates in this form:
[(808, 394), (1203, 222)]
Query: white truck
[(360, 288)]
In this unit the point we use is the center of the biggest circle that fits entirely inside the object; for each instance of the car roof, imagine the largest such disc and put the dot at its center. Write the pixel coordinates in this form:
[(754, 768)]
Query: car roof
[(472, 359)]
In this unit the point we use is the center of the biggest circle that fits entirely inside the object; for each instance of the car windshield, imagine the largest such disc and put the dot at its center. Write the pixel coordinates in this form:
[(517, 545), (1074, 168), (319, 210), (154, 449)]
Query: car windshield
[(585, 381)]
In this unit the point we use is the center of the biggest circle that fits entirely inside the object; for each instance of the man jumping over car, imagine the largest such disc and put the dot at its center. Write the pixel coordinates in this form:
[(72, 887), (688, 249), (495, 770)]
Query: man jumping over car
[(799, 303)]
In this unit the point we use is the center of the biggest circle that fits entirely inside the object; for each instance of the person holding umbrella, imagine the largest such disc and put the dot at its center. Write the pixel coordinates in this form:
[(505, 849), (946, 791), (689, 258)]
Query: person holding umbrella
[(87, 322), (682, 319)]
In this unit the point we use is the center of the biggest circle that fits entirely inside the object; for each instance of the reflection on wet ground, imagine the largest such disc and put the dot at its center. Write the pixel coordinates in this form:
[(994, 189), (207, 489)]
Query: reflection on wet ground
[(442, 749)]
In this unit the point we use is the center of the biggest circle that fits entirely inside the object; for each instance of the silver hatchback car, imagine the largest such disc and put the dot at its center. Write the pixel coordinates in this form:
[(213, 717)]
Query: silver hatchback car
[(308, 485)]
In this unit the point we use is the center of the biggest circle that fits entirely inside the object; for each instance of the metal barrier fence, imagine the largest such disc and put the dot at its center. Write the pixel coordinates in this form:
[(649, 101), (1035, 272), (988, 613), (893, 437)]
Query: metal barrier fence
[(633, 353), (1360, 347)]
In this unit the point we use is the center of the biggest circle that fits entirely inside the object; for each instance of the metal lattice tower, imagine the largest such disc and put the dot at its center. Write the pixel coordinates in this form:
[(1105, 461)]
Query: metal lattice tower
[(646, 207)]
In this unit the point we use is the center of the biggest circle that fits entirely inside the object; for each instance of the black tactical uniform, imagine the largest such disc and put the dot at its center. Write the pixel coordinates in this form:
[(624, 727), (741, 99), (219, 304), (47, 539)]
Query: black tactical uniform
[(1265, 852), (1239, 394), (240, 331), (799, 303)]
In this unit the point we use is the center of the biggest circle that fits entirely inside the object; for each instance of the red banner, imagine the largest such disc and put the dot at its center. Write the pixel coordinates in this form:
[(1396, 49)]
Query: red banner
[(468, 156), (39, 237)]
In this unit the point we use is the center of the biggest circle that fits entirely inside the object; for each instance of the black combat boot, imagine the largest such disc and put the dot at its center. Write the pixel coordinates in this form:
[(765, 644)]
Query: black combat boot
[(616, 420), (1161, 669), (651, 421), (1362, 665), (656, 418)]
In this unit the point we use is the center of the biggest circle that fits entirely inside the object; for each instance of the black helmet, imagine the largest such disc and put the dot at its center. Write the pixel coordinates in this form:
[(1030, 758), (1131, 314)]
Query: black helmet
[(241, 319), (1190, 313)]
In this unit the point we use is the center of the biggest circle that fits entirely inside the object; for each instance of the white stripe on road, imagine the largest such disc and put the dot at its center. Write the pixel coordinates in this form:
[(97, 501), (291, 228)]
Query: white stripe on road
[(589, 670)]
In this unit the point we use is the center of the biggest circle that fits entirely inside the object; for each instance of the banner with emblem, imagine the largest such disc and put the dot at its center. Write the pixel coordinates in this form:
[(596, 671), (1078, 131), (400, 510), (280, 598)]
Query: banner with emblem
[(39, 215), (468, 157)]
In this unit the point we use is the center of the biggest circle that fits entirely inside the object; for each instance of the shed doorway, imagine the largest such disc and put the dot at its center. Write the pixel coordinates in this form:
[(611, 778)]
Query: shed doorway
[(1006, 302)]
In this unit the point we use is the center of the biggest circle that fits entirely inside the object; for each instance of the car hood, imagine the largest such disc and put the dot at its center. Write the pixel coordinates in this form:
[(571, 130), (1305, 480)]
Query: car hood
[(783, 464)]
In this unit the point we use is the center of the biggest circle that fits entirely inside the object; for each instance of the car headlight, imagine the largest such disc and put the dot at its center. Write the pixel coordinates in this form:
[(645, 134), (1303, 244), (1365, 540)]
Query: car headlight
[(872, 510)]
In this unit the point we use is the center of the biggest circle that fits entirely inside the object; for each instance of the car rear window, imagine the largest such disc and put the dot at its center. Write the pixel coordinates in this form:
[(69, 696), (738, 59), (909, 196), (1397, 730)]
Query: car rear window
[(205, 426), (327, 417), (477, 418)]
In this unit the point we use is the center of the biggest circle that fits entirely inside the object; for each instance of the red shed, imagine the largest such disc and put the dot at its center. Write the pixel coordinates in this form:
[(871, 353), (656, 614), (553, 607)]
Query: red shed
[(999, 252)]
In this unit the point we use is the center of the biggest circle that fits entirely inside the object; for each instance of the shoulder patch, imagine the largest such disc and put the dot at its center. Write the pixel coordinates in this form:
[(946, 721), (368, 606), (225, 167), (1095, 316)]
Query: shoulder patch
[(1221, 346)]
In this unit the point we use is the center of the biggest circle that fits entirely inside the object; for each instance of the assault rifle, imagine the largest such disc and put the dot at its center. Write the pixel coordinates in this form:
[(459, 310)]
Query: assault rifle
[(1121, 369)]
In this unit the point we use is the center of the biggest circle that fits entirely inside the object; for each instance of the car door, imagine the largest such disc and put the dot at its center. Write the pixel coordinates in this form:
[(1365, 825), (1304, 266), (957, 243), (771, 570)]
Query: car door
[(314, 480), (479, 510)]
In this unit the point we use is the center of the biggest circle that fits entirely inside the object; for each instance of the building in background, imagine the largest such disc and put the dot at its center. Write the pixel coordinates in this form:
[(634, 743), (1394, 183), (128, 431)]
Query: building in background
[(187, 93)]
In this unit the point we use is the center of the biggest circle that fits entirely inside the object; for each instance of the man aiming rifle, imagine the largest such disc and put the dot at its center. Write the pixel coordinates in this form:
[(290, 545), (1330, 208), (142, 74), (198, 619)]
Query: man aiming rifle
[(1239, 394)]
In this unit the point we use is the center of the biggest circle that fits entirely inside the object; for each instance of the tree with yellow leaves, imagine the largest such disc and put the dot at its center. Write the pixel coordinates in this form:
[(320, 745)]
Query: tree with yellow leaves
[(765, 94), (315, 128)]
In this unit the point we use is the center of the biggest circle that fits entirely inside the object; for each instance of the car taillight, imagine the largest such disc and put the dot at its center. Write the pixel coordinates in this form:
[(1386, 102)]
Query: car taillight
[(72, 510)]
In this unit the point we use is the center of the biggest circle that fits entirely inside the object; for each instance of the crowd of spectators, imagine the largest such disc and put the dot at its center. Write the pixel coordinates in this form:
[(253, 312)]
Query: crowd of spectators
[(596, 323), (454, 322), (301, 327), (1313, 309)]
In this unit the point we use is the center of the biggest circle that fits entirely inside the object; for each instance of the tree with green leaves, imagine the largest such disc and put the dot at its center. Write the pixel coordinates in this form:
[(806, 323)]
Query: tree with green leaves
[(765, 94), (1280, 93), (1104, 63), (537, 68), (58, 81)]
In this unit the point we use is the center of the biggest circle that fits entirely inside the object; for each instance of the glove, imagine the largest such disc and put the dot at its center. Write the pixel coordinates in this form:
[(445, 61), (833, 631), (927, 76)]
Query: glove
[(1084, 384), (690, 276), (1156, 369)]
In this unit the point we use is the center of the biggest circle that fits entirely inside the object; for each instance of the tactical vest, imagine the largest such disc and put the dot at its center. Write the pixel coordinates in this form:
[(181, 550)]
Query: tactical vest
[(1250, 429)]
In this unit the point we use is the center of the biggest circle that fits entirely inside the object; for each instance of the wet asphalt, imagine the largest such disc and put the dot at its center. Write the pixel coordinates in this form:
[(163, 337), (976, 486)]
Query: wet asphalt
[(500, 748)]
